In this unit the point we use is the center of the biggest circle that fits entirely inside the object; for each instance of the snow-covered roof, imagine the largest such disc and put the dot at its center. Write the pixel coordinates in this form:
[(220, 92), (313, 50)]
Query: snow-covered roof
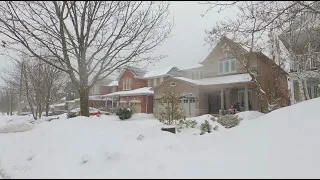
[(113, 83), (237, 78), (157, 73), (192, 67), (61, 104), (140, 91), (63, 99)]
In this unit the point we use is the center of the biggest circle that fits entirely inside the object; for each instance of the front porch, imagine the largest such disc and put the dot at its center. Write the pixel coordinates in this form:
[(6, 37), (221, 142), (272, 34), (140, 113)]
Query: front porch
[(241, 97)]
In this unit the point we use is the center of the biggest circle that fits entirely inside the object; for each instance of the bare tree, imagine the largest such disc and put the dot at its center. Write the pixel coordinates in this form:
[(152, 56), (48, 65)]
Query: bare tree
[(39, 83), (88, 40)]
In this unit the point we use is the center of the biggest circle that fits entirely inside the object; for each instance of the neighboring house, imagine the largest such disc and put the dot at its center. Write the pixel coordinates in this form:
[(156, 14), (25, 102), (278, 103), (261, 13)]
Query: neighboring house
[(100, 88), (134, 86), (304, 48), (221, 81)]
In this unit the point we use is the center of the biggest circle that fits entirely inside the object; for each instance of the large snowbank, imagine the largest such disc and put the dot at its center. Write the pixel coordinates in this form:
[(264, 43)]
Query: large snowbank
[(16, 127), (247, 115), (281, 144)]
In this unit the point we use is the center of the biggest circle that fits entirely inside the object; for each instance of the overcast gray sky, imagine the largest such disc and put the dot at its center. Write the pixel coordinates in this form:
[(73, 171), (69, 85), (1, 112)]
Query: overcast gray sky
[(186, 46)]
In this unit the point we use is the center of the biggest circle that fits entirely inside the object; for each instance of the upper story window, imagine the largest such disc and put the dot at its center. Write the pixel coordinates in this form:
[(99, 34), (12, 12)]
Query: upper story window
[(197, 74), (127, 83), (227, 66)]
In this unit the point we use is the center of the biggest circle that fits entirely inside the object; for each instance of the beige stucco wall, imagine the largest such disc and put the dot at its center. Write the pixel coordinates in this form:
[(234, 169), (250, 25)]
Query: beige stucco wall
[(182, 88)]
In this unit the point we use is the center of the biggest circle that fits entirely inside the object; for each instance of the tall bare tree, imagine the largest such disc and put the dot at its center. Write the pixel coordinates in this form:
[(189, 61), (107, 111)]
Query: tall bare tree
[(39, 84), (88, 40)]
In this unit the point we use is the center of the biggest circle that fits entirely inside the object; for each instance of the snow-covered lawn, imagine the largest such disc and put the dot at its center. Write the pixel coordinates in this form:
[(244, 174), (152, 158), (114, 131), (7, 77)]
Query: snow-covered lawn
[(281, 144)]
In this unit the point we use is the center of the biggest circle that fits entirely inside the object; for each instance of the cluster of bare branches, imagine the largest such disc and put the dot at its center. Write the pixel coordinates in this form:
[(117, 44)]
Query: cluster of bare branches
[(275, 28), (34, 83), (88, 40)]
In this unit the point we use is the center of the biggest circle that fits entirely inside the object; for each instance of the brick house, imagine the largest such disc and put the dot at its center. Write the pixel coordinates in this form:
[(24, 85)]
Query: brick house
[(221, 81), (134, 86)]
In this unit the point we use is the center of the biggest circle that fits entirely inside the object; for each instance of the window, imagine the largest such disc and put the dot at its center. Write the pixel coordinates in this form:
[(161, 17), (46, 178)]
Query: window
[(197, 74), (113, 89), (313, 91), (241, 98), (173, 84), (155, 81), (127, 84), (150, 83), (227, 66)]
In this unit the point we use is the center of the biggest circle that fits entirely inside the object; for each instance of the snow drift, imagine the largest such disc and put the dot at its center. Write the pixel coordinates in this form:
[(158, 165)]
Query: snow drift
[(16, 127), (281, 144)]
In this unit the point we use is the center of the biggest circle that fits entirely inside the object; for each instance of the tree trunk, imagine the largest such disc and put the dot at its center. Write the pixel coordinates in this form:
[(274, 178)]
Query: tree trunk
[(84, 101), (47, 109), (305, 86), (302, 94)]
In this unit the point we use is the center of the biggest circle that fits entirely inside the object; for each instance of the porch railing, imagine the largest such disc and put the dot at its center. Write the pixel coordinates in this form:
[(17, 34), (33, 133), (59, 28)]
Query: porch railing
[(306, 62)]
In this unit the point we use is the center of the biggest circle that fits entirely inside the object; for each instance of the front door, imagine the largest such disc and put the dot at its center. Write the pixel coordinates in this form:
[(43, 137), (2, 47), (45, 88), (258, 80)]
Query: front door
[(214, 103)]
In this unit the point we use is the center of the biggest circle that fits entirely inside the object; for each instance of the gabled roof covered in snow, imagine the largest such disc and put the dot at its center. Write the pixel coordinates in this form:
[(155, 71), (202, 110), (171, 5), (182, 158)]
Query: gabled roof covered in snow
[(237, 78), (228, 44), (113, 83), (159, 72), (140, 91), (138, 72), (191, 67)]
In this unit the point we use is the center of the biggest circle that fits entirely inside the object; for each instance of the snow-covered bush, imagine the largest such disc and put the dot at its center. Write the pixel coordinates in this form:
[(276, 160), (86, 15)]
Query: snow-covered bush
[(124, 113), (72, 114), (229, 121), (171, 112), (16, 127), (205, 127)]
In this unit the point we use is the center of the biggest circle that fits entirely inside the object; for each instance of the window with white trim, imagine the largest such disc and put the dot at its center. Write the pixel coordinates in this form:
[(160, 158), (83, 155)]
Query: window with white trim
[(313, 91), (113, 89), (227, 66), (241, 99), (155, 81), (150, 83), (127, 84), (197, 74)]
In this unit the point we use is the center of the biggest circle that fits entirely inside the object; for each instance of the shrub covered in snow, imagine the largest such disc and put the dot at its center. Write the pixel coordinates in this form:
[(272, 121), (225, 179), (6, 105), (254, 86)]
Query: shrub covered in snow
[(171, 112), (205, 127), (16, 127), (124, 113), (72, 114), (229, 121)]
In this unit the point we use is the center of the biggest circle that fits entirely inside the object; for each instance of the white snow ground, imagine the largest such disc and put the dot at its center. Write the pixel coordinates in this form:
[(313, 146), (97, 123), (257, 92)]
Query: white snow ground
[(281, 144)]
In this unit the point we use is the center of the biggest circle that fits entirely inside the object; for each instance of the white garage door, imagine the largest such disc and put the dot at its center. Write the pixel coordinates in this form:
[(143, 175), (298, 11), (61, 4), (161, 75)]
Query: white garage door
[(190, 109)]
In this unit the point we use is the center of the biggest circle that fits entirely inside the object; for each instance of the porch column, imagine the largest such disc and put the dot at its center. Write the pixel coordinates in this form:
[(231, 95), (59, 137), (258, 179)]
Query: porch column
[(246, 98), (222, 99), (112, 104)]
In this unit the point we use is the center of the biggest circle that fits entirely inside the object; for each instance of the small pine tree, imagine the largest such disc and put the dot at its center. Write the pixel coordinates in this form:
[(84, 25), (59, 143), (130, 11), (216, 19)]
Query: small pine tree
[(172, 112)]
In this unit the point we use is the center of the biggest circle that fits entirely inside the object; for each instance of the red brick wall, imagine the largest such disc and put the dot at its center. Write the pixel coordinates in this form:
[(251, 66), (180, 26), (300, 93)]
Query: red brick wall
[(136, 83), (143, 100)]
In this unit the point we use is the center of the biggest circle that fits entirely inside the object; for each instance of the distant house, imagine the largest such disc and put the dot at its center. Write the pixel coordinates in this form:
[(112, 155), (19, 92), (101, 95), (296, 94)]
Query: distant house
[(221, 81), (134, 86), (304, 48)]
